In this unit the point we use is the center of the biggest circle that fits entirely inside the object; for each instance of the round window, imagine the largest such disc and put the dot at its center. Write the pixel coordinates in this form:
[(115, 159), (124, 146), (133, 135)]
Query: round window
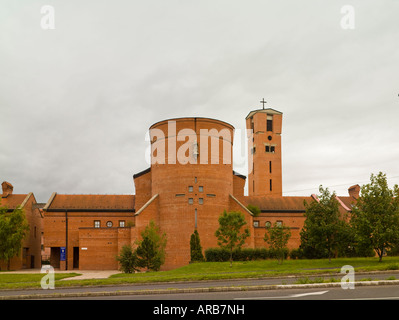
[(268, 224), (109, 224)]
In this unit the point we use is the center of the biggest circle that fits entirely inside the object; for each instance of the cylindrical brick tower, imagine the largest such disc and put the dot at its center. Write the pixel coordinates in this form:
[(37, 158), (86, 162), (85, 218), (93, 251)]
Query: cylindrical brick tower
[(192, 172)]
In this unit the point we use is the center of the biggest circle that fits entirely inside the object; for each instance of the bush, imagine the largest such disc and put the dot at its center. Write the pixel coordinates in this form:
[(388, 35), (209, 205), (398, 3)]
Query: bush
[(244, 254), (127, 259), (296, 254), (274, 253), (196, 248)]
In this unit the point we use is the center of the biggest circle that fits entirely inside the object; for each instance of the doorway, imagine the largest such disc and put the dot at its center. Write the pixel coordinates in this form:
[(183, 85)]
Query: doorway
[(55, 257), (76, 257)]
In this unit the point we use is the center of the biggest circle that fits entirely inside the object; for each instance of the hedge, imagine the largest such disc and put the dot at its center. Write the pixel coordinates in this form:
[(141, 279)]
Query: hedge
[(245, 254)]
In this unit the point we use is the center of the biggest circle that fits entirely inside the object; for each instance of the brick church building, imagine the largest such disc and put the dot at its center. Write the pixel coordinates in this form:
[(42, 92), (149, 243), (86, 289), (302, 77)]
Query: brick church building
[(189, 183)]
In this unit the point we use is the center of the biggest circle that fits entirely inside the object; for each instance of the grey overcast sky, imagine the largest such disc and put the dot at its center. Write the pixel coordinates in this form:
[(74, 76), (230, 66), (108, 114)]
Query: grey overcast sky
[(76, 101)]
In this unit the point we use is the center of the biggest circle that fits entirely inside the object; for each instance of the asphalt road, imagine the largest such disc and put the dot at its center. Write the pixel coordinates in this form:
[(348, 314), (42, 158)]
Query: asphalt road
[(383, 292)]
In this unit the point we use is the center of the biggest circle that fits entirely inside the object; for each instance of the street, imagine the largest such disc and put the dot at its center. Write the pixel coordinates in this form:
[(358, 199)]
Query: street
[(384, 292)]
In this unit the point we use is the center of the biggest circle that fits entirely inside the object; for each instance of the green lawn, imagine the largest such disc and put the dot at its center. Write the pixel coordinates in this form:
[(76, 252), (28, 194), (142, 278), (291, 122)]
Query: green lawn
[(212, 270), (27, 280)]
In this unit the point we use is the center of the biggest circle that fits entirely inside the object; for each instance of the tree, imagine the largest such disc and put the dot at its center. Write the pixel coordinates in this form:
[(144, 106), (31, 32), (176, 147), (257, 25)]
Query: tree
[(277, 237), (151, 249), (229, 232), (196, 248), (13, 229), (254, 209), (128, 259), (375, 217), (324, 226)]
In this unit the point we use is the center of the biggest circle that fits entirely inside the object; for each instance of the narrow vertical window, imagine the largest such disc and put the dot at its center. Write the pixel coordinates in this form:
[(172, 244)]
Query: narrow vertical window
[(270, 167), (269, 123), (271, 185)]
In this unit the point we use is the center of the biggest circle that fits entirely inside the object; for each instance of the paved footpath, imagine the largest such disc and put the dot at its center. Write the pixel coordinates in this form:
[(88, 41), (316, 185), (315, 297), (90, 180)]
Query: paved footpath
[(85, 274)]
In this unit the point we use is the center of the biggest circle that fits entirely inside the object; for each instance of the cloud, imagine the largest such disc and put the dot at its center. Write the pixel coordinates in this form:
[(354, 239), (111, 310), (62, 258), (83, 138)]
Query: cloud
[(77, 101)]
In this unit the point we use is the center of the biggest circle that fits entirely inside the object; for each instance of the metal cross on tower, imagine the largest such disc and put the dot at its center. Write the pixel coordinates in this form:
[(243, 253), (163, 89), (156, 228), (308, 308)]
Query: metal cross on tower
[(263, 102)]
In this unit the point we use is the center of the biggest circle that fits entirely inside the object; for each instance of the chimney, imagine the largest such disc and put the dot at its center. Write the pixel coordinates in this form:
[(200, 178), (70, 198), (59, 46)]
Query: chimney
[(354, 191), (7, 189)]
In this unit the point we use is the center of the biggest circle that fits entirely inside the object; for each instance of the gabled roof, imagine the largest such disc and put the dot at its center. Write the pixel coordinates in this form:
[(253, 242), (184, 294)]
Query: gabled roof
[(90, 202), (12, 201), (348, 202)]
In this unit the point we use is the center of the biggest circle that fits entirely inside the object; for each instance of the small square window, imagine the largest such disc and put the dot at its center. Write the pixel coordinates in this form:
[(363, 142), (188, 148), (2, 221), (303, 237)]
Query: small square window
[(256, 224), (201, 200), (190, 200), (190, 189), (201, 189), (97, 223), (121, 223), (279, 223)]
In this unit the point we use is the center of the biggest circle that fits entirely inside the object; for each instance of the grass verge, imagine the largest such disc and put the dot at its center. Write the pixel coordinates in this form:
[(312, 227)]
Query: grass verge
[(212, 271)]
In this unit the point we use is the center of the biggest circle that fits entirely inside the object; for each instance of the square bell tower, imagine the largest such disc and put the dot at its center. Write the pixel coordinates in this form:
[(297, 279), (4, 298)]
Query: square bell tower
[(264, 154)]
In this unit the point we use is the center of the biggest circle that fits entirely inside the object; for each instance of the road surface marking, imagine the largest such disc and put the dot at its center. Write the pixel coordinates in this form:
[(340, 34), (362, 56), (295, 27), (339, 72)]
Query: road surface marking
[(286, 297)]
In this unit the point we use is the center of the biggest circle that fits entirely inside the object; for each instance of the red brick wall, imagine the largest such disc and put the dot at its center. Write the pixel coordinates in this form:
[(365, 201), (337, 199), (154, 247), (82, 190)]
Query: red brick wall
[(143, 190), (100, 246), (55, 233), (33, 241), (293, 220)]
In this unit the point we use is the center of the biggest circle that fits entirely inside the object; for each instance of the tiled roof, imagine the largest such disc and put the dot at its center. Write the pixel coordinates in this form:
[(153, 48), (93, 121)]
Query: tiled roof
[(268, 204), (12, 201), (92, 202), (348, 201), (278, 203)]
